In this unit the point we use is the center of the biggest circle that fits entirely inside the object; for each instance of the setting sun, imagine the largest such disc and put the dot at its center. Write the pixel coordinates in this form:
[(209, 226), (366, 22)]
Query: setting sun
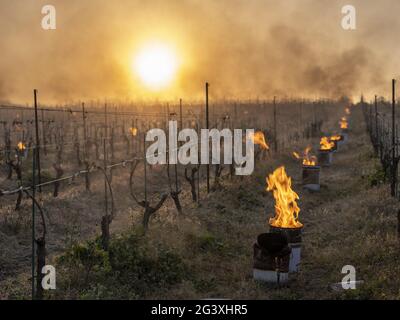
[(156, 65)]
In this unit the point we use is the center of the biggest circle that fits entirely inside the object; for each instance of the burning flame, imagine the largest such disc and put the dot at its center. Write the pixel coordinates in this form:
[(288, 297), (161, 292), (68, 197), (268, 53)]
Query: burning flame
[(335, 138), (347, 110), (259, 138), (133, 131), (21, 146), (308, 160), (343, 123), (286, 208), (326, 144), (296, 155)]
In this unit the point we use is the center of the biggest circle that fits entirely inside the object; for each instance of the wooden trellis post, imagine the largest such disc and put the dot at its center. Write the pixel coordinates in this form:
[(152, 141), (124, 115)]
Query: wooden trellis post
[(37, 139), (198, 170), (275, 128), (85, 147), (34, 158), (105, 244), (376, 123), (207, 127), (394, 162), (43, 133)]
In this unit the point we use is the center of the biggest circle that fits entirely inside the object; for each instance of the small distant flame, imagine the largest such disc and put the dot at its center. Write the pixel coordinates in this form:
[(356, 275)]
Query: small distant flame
[(335, 138), (133, 131), (308, 160), (286, 208), (296, 155), (347, 110), (259, 138), (21, 146), (343, 123), (326, 144)]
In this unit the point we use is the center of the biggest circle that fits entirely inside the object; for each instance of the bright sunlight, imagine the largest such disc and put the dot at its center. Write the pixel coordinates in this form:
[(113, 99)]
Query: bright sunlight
[(156, 65)]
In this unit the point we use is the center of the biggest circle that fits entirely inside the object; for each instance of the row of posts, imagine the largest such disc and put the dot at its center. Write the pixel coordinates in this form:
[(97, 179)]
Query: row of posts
[(383, 134)]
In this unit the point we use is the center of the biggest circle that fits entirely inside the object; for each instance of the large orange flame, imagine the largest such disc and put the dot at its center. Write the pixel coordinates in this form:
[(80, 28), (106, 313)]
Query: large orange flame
[(308, 160), (286, 208), (259, 138), (343, 123), (326, 144)]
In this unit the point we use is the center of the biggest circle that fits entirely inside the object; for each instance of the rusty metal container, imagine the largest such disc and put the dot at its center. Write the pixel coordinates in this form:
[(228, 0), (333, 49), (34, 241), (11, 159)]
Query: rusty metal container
[(311, 178), (293, 236), (345, 135), (339, 143), (325, 158), (271, 258)]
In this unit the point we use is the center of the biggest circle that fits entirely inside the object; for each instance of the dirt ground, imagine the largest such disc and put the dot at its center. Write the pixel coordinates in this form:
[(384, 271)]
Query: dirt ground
[(349, 222)]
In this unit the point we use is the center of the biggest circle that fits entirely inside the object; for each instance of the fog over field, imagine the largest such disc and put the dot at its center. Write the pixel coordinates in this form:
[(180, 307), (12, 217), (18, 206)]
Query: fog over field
[(243, 48)]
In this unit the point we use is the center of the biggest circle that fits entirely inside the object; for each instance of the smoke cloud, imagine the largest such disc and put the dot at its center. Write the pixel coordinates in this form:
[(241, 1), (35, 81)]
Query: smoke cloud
[(244, 48)]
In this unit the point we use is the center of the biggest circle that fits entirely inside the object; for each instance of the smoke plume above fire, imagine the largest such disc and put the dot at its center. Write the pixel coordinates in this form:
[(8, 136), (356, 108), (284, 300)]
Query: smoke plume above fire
[(244, 48)]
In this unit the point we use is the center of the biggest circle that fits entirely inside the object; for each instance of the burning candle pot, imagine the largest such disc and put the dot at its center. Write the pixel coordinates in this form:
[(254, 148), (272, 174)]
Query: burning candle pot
[(338, 140), (286, 221), (344, 126), (325, 155), (133, 131), (22, 150), (311, 171)]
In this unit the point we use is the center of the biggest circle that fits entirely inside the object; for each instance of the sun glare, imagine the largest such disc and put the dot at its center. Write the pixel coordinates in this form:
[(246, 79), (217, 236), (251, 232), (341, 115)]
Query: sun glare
[(156, 65)]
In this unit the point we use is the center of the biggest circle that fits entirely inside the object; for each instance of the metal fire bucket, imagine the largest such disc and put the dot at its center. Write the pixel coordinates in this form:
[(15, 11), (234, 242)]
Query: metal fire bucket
[(271, 260), (325, 158), (345, 135), (339, 143), (293, 236), (311, 180)]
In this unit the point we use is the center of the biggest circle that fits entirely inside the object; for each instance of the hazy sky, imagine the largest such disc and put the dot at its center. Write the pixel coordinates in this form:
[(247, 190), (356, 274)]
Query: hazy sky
[(244, 48)]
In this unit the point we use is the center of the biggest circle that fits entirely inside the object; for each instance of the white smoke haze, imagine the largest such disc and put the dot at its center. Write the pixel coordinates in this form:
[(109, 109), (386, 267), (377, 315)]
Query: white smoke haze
[(244, 48)]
